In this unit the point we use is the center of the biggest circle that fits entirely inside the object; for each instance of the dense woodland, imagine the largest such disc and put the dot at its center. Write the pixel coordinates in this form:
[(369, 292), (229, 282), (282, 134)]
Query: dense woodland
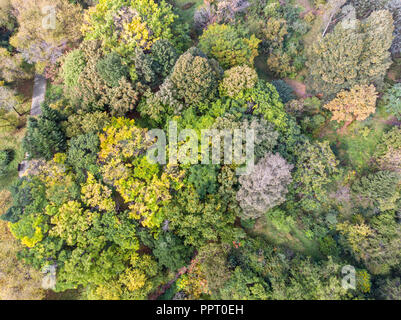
[(319, 82)]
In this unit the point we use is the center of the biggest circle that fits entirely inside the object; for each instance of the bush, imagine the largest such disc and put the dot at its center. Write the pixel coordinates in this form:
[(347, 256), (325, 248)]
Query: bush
[(281, 220), (392, 100), (6, 156)]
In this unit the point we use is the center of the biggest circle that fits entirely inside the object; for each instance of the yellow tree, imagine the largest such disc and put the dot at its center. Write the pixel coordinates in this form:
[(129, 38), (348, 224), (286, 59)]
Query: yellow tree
[(45, 28), (355, 104)]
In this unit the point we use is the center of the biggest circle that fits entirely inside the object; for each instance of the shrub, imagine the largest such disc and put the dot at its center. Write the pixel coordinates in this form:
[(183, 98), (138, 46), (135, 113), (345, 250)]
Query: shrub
[(392, 100), (6, 156), (281, 220)]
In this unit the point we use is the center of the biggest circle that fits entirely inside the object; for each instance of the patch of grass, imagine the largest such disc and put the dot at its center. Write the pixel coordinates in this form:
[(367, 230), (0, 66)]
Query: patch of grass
[(187, 14), (356, 147), (359, 144), (295, 239)]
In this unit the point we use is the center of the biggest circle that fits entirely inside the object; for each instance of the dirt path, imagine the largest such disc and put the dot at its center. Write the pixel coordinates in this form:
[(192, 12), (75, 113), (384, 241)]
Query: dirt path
[(298, 87)]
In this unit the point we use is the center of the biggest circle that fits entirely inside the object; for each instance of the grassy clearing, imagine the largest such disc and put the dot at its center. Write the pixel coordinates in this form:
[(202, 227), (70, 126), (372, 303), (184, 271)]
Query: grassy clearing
[(295, 239), (356, 147), (187, 14)]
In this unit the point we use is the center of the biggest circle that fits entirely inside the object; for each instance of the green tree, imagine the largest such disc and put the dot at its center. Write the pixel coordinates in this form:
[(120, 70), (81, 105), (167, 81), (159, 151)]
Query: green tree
[(378, 190), (347, 57), (265, 187), (225, 44), (73, 64), (212, 219), (171, 252), (315, 168), (164, 56), (378, 245), (195, 77), (82, 123), (308, 280), (238, 79), (45, 136), (82, 154), (111, 69), (204, 179), (6, 156)]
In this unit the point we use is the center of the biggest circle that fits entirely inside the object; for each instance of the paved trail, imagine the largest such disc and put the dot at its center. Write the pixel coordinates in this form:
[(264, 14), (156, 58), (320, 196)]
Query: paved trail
[(39, 90)]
